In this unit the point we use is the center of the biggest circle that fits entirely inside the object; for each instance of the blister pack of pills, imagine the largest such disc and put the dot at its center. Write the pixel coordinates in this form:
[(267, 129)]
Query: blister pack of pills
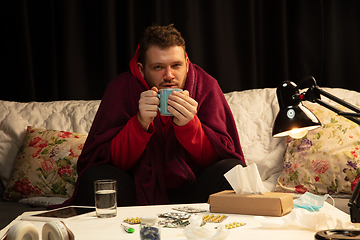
[(132, 220), (175, 215), (234, 225), (189, 209), (171, 223), (174, 219)]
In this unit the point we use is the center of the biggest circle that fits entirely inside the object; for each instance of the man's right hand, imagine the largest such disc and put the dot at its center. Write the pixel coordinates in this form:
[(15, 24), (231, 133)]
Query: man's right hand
[(148, 107)]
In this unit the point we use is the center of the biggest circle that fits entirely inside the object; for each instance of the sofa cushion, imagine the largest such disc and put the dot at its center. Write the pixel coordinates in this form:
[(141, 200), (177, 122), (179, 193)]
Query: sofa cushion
[(326, 160), (43, 201), (254, 112), (72, 116), (45, 164)]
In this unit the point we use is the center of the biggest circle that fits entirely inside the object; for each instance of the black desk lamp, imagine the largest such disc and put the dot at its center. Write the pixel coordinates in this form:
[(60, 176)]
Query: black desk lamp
[(295, 120), (294, 117)]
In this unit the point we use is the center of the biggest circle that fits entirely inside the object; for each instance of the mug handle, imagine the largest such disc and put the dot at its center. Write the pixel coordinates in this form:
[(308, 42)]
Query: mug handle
[(159, 99)]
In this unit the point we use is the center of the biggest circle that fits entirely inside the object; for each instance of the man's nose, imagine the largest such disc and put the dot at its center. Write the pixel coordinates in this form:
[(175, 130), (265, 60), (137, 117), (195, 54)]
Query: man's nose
[(169, 73)]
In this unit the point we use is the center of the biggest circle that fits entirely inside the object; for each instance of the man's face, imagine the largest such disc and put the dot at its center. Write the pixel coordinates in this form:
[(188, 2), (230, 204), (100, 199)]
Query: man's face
[(165, 68)]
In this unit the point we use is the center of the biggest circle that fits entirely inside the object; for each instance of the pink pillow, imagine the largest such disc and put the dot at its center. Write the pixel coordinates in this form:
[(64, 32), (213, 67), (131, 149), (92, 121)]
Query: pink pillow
[(45, 165)]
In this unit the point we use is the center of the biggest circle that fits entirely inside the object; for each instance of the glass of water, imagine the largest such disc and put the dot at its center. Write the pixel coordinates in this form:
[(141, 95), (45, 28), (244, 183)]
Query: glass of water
[(105, 198)]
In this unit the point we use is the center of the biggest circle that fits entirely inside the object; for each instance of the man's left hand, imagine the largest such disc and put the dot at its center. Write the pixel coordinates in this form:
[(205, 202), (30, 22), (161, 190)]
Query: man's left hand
[(183, 107)]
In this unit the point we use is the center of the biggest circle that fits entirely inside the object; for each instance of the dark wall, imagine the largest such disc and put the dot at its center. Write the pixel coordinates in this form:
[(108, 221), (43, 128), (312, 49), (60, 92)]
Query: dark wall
[(71, 49)]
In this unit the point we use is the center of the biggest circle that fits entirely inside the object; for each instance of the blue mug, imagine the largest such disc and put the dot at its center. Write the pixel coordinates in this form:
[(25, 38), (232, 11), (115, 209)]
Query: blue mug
[(164, 95)]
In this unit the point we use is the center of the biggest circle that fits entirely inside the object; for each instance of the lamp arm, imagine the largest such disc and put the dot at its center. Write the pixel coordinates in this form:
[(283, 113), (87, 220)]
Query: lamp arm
[(338, 100), (313, 95), (351, 116)]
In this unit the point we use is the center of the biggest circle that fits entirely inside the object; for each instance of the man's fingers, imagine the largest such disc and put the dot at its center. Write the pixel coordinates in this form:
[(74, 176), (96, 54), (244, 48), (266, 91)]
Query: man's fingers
[(184, 108), (183, 97), (183, 103)]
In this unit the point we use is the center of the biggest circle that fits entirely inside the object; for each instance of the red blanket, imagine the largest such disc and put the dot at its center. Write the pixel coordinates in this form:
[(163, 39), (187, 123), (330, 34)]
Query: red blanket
[(120, 104)]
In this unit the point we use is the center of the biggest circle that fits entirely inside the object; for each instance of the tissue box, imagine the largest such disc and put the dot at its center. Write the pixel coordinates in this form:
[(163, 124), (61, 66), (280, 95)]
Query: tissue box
[(266, 204)]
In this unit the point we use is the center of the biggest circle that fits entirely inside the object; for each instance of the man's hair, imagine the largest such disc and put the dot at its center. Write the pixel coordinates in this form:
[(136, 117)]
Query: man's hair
[(161, 36)]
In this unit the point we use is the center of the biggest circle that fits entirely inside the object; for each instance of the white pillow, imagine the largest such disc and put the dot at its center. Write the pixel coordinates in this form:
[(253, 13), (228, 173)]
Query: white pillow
[(43, 201)]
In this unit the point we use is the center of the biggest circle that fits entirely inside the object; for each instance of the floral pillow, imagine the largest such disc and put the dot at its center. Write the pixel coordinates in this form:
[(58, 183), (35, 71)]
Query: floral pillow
[(326, 160), (45, 165)]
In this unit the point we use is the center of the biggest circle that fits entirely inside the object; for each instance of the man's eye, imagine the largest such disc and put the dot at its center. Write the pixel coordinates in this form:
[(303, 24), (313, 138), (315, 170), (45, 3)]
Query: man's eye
[(176, 65), (157, 67)]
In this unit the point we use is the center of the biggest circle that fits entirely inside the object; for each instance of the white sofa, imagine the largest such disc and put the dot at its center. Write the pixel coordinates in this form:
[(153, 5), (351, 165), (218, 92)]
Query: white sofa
[(254, 112)]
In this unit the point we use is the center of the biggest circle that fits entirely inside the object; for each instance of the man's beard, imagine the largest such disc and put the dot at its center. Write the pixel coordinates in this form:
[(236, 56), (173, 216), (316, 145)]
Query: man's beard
[(173, 83)]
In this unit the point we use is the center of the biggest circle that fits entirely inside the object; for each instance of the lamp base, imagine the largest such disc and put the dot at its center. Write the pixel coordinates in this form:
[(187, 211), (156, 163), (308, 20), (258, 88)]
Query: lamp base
[(337, 234)]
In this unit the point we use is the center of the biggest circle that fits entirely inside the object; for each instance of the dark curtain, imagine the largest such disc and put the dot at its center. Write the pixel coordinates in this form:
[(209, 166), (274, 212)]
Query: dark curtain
[(71, 49)]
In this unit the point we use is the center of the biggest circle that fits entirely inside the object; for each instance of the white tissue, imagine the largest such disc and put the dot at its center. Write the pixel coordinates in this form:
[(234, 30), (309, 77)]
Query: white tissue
[(193, 231), (245, 180), (300, 218)]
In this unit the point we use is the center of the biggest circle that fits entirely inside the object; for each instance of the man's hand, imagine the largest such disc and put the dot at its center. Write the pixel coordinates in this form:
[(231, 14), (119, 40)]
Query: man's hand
[(148, 106), (183, 107)]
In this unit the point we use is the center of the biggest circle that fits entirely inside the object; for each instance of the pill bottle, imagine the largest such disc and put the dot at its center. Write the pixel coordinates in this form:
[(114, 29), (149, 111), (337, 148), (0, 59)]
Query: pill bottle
[(149, 228)]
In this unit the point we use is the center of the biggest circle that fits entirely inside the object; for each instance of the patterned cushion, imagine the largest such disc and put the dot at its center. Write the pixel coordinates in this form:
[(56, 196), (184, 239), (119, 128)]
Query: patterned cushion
[(45, 165), (326, 160)]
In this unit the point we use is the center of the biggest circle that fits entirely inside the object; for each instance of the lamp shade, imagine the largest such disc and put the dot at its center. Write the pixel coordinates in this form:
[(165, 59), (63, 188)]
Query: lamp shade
[(294, 118)]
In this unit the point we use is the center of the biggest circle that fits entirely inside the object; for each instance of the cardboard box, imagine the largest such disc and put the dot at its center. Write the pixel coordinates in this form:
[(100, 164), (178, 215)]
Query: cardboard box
[(266, 204)]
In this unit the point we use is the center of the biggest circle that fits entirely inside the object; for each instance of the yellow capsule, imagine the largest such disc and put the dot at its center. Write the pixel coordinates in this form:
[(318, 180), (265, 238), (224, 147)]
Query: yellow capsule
[(242, 224)]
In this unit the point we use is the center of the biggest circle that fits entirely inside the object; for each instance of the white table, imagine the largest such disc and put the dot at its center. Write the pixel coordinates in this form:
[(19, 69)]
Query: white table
[(90, 227)]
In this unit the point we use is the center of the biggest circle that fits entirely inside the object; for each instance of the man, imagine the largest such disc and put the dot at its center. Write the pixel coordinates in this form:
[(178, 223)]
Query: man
[(160, 159)]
